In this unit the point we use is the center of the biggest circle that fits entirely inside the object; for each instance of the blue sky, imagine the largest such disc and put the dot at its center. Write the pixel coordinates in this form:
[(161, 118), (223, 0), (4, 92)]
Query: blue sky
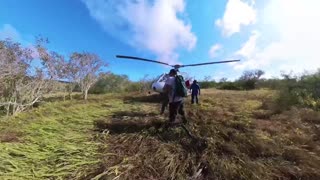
[(269, 35)]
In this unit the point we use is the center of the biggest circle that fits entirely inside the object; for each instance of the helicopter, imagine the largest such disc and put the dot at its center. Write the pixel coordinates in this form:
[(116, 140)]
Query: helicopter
[(158, 85)]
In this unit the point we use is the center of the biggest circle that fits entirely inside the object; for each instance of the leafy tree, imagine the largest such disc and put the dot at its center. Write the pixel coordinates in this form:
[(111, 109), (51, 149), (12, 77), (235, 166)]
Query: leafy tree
[(299, 91), (207, 83), (249, 79), (109, 82), (222, 80)]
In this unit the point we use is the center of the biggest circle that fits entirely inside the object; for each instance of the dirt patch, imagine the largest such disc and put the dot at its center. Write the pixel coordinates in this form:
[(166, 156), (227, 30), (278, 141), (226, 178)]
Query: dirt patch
[(310, 116), (10, 136)]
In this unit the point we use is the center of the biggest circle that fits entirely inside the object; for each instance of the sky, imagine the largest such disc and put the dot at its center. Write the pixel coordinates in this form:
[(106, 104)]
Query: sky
[(272, 35)]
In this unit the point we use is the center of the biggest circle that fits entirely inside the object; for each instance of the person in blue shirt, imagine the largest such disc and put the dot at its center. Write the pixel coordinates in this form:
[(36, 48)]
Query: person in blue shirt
[(195, 91)]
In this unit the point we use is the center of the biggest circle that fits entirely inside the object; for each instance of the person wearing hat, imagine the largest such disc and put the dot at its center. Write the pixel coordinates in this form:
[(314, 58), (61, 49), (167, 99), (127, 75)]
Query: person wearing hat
[(176, 105), (195, 91)]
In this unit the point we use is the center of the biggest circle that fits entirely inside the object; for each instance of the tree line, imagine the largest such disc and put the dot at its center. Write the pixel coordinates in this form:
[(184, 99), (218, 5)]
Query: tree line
[(293, 90), (247, 81), (27, 74)]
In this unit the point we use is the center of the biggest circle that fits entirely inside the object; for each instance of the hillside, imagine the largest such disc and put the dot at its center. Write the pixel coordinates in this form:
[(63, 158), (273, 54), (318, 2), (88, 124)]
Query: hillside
[(122, 137)]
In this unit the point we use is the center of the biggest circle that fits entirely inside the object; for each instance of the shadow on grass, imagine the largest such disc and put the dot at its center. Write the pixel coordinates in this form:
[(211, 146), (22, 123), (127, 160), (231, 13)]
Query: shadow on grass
[(154, 98), (129, 122), (121, 114), (149, 131), (137, 122), (119, 126)]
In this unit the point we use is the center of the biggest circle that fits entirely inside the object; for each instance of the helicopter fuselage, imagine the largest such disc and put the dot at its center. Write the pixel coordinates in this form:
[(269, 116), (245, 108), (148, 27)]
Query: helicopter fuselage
[(158, 85)]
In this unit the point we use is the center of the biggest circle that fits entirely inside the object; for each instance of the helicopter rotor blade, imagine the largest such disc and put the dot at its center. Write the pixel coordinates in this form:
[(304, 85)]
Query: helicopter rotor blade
[(141, 59), (217, 62)]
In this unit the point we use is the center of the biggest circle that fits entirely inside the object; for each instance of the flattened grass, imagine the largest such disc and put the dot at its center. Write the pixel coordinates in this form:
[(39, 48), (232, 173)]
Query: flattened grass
[(54, 141), (123, 137)]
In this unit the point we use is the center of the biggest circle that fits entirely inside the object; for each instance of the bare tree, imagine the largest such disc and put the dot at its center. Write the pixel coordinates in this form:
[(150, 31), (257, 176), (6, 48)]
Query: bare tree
[(71, 71), (53, 64), (14, 63), (83, 69), (20, 87), (223, 80), (207, 78), (23, 84)]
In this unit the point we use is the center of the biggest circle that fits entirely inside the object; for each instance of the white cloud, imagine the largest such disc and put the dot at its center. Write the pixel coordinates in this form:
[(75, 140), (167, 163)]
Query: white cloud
[(214, 50), (8, 31), (154, 26), (237, 13), (295, 46), (249, 47)]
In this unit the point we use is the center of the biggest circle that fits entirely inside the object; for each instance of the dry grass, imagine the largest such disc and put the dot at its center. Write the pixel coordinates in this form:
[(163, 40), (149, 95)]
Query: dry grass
[(246, 139), (235, 135)]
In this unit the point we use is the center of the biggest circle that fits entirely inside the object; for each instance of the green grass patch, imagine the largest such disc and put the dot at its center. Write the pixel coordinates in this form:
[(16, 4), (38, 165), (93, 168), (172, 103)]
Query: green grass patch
[(55, 140)]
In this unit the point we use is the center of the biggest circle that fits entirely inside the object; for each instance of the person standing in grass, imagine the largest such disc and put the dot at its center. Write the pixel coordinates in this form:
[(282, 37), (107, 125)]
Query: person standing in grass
[(195, 91), (176, 104)]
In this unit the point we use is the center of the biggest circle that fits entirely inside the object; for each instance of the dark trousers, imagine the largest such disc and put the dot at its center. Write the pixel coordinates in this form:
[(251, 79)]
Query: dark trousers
[(174, 109), (165, 103), (194, 96)]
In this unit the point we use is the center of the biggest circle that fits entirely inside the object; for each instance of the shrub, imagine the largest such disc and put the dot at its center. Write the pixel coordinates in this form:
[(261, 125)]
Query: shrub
[(229, 86), (299, 91), (109, 82), (207, 84)]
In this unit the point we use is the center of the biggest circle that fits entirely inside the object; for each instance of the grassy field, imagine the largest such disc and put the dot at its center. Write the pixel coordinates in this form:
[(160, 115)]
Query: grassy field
[(121, 137)]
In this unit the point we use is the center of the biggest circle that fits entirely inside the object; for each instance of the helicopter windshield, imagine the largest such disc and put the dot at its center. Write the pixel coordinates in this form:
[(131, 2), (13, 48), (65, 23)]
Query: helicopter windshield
[(163, 78)]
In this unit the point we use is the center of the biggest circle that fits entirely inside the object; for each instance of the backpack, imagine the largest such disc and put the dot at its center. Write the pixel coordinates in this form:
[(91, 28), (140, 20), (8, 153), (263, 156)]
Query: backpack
[(181, 89)]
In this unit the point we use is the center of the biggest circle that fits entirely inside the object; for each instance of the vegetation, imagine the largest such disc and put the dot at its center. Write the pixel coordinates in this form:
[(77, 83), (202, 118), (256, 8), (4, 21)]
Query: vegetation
[(248, 81), (20, 84), (52, 141), (121, 136), (109, 83), (293, 90), (24, 83), (117, 132), (84, 68), (302, 91)]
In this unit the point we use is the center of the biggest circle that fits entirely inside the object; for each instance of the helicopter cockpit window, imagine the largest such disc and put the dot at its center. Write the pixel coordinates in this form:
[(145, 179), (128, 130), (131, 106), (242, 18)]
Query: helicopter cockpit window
[(164, 78)]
